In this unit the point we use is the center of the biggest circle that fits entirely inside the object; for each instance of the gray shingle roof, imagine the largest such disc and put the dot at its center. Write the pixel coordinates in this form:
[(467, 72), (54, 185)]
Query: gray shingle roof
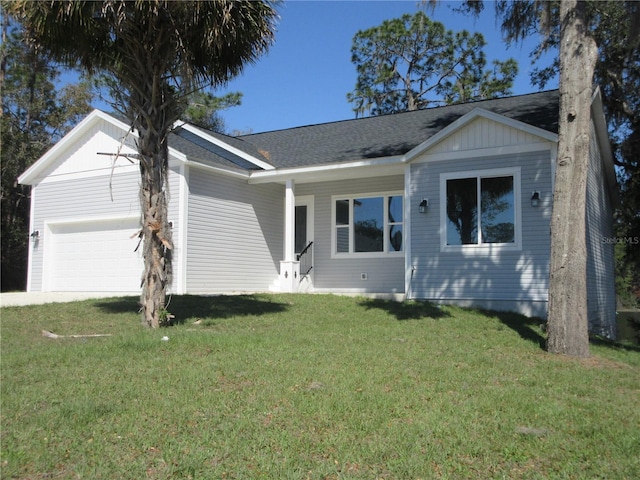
[(200, 150), (351, 140), (236, 142), (394, 134), (197, 153)]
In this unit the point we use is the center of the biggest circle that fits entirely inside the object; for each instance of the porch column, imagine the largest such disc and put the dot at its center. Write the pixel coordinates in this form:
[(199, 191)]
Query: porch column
[(289, 221), (289, 267)]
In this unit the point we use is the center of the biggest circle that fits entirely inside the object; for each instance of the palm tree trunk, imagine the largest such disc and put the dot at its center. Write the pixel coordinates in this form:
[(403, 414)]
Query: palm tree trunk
[(157, 243)]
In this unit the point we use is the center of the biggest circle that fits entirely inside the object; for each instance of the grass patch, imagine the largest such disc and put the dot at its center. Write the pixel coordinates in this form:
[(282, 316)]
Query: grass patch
[(308, 386)]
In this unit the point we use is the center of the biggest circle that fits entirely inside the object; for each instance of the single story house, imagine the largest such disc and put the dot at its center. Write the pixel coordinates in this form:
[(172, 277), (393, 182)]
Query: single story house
[(449, 204)]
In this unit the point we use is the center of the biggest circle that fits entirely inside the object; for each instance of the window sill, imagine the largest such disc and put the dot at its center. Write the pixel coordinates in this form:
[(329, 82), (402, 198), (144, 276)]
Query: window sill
[(481, 249)]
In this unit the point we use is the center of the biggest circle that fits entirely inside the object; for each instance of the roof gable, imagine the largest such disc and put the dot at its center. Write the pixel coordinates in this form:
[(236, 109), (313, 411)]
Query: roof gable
[(481, 129), (67, 155), (92, 144)]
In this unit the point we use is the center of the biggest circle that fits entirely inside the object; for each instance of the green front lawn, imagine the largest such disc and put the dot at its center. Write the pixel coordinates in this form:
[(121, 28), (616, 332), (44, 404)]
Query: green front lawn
[(308, 386)]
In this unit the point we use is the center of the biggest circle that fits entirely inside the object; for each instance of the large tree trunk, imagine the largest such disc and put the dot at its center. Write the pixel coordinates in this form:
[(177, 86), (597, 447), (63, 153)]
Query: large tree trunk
[(567, 322), (157, 243)]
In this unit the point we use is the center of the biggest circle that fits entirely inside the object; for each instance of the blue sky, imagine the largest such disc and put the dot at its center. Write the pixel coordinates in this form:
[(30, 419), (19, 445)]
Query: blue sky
[(307, 73)]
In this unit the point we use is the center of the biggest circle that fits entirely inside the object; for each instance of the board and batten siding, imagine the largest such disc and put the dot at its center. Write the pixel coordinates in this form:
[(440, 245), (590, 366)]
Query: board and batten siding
[(600, 239), (234, 233), (504, 279), (385, 274), (82, 158), (483, 133)]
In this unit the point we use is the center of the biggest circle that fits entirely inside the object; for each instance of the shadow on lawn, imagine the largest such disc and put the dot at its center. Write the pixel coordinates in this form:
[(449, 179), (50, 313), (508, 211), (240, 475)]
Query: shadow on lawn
[(408, 310), (527, 327), (187, 307), (531, 329)]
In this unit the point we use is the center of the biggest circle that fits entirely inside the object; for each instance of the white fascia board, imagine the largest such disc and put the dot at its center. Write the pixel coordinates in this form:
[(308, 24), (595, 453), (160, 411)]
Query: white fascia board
[(176, 156), (485, 152), (222, 171), (211, 139), (30, 176), (468, 118), (334, 171), (181, 158)]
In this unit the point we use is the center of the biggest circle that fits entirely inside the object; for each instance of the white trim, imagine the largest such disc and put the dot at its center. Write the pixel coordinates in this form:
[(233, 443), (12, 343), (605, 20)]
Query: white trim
[(32, 244), (289, 220), (468, 118), (351, 254), (485, 152), (378, 167), (394, 294), (222, 171), (236, 151), (486, 248), (102, 172), (177, 155), (183, 217), (406, 234), (96, 219)]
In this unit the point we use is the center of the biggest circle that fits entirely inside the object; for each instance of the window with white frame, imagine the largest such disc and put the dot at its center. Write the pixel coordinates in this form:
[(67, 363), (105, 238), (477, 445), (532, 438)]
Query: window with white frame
[(481, 209), (368, 224)]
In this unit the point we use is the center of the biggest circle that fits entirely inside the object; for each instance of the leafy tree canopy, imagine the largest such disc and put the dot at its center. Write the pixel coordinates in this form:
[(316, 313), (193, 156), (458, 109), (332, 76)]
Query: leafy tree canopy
[(200, 107), (35, 115), (412, 62), (204, 109)]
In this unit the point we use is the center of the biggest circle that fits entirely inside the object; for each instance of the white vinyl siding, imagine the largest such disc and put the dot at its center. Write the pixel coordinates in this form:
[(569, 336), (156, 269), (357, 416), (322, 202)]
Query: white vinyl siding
[(601, 295), (384, 274), (491, 274), (88, 201), (234, 233)]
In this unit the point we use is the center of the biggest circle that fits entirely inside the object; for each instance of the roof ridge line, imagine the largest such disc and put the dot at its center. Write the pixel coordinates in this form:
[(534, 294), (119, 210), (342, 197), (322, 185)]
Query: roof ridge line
[(471, 102)]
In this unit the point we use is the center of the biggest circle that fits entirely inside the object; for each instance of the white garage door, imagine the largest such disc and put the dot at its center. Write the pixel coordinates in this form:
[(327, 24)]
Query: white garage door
[(95, 257)]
